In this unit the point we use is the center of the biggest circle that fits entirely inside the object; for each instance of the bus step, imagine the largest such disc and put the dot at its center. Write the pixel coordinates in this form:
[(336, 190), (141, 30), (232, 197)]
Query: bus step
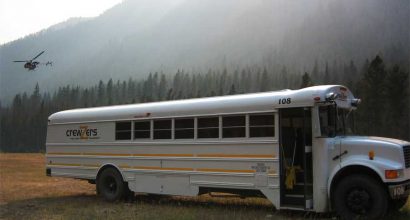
[(295, 195)]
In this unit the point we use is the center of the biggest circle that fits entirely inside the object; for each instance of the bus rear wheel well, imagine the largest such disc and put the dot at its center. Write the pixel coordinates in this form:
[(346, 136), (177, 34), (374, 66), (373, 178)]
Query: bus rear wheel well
[(351, 170), (106, 167)]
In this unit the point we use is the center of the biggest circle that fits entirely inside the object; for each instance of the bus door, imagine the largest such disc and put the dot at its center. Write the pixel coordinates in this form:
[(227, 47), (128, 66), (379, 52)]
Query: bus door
[(296, 158)]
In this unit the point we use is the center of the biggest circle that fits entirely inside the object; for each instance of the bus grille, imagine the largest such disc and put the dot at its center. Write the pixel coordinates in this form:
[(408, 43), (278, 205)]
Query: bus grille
[(406, 152)]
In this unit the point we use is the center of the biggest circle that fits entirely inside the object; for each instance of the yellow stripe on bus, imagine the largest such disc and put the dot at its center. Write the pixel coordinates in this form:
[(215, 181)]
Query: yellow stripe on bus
[(69, 153), (105, 154), (124, 166), (64, 164), (163, 168), (238, 155), (174, 155), (163, 155), (224, 170), (91, 165)]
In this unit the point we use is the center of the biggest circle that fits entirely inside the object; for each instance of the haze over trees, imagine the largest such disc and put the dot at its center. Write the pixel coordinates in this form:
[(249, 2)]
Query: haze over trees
[(155, 50), (383, 88), (135, 38)]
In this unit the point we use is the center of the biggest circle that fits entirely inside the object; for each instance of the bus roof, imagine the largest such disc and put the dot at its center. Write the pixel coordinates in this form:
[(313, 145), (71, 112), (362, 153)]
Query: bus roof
[(252, 102)]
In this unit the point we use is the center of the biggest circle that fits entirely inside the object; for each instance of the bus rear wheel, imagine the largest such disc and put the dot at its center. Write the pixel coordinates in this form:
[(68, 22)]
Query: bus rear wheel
[(111, 186), (360, 196)]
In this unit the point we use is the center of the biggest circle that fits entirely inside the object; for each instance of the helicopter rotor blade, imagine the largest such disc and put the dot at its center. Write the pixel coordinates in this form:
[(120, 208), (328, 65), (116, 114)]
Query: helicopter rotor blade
[(38, 55), (21, 61)]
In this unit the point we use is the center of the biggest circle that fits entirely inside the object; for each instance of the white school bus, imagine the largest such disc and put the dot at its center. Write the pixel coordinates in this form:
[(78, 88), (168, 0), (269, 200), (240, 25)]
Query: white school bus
[(294, 147)]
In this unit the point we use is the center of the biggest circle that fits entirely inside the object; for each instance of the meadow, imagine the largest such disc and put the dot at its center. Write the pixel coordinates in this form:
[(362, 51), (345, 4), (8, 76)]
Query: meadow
[(27, 193)]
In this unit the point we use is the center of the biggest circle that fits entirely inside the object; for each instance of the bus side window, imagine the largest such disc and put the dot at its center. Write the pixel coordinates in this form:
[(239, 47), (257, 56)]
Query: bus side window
[(163, 129), (184, 128), (262, 125), (142, 130), (123, 130), (233, 126), (208, 127)]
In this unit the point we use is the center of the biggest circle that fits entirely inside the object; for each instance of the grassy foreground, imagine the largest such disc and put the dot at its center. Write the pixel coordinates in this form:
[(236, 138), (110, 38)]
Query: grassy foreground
[(26, 193)]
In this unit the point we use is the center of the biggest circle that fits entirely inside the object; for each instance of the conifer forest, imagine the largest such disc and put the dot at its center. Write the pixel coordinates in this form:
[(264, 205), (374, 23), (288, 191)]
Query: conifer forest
[(383, 88)]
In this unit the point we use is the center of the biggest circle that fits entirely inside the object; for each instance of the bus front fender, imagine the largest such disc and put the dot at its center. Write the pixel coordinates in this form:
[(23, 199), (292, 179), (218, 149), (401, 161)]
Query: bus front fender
[(361, 165)]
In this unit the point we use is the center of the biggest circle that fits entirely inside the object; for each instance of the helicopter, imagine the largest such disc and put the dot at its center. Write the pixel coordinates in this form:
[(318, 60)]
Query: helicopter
[(31, 64)]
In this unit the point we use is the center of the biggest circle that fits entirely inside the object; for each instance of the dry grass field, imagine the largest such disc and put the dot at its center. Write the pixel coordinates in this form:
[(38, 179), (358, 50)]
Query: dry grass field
[(26, 193)]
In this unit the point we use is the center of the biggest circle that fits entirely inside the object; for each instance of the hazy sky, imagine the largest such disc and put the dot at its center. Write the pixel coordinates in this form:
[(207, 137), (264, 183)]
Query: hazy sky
[(19, 18)]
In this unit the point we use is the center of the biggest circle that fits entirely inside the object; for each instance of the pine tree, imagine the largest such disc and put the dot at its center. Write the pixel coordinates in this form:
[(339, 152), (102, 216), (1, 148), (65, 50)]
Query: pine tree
[(35, 97), (372, 90), (284, 78), (109, 92), (326, 77), (101, 94), (232, 90), (306, 80), (398, 108), (315, 71), (162, 88), (265, 82)]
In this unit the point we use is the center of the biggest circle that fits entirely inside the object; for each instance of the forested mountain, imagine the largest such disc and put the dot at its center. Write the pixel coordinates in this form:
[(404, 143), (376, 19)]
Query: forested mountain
[(153, 50), (137, 37), (383, 112)]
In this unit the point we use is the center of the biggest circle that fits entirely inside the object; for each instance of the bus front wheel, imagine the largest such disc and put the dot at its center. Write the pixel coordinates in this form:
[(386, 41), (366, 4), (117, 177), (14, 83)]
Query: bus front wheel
[(360, 196), (110, 185)]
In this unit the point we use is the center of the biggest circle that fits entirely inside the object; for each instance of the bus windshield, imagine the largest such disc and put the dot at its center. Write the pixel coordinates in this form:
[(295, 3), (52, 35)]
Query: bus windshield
[(335, 121)]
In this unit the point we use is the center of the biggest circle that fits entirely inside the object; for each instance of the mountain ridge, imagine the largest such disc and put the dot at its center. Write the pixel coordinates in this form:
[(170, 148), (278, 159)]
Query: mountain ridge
[(137, 37)]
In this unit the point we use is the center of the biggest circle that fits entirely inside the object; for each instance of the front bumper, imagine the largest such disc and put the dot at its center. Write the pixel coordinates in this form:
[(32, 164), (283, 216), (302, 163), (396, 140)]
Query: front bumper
[(399, 190)]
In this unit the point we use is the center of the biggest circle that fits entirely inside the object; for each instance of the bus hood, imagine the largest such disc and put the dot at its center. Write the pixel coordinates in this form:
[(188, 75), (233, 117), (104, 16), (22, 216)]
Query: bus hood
[(385, 149), (390, 140), (369, 141)]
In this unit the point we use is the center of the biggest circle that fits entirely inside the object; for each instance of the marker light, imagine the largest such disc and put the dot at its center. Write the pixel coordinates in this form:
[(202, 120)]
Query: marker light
[(393, 174), (316, 99), (371, 155)]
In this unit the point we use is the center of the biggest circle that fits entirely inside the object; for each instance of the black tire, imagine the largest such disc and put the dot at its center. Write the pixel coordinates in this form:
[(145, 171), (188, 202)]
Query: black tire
[(360, 196), (111, 186)]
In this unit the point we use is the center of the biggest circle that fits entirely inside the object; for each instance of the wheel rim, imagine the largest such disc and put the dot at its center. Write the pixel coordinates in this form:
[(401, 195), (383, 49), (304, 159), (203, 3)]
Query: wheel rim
[(359, 201), (110, 185)]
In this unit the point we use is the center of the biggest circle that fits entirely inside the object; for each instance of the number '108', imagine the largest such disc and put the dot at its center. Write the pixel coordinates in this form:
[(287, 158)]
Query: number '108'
[(285, 101)]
